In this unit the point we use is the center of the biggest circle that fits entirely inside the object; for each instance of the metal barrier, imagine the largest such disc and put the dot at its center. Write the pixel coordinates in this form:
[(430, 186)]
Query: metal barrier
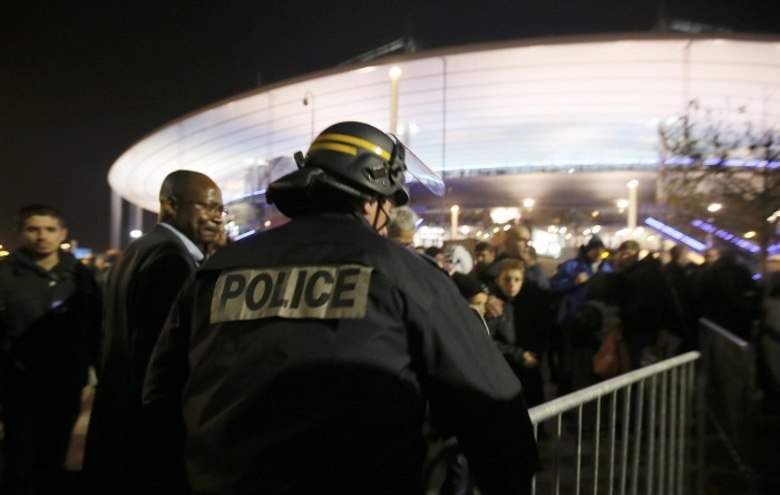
[(641, 443), (729, 390)]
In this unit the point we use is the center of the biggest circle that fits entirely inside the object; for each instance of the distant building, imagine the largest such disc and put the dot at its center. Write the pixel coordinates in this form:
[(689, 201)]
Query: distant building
[(565, 121)]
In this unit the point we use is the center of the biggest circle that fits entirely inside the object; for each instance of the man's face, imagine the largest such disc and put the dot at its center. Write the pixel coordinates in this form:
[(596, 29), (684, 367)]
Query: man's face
[(625, 258), (42, 235), (199, 215), (510, 282), (516, 246), (485, 257)]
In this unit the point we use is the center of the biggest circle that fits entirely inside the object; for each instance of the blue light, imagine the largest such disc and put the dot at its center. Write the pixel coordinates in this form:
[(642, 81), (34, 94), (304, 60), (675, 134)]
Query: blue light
[(726, 236), (675, 234), (729, 162)]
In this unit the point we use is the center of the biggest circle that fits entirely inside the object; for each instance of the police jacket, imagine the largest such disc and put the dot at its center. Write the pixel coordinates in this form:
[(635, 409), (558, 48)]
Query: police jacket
[(49, 322), (308, 355)]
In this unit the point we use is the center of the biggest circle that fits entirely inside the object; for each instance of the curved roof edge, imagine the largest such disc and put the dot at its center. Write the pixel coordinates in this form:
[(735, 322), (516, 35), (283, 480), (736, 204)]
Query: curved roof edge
[(536, 103)]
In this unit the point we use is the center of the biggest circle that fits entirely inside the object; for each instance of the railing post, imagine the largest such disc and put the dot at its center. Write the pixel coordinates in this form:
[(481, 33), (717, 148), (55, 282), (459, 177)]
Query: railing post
[(659, 466), (701, 419)]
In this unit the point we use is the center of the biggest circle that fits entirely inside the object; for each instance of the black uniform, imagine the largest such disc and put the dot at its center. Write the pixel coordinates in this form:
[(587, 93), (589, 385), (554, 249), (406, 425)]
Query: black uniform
[(314, 349), (49, 331)]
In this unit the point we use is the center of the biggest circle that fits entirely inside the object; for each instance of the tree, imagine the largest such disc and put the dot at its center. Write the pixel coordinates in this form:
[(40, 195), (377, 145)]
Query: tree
[(722, 157)]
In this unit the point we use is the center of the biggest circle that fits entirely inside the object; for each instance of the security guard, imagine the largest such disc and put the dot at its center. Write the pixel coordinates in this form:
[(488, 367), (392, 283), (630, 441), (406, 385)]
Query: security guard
[(313, 351)]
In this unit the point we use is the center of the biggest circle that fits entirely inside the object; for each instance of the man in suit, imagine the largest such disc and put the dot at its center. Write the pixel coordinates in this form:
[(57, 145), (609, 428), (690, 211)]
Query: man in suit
[(120, 457)]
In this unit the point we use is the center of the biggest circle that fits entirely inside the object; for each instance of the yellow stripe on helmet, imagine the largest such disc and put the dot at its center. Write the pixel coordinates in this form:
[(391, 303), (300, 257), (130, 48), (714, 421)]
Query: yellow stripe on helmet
[(342, 148), (346, 138)]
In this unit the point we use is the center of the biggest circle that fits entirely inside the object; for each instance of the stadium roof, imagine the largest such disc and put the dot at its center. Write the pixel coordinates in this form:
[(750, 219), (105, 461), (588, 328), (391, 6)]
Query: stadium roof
[(480, 114)]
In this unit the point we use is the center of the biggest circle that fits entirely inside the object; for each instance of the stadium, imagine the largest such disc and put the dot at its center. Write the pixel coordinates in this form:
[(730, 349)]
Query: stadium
[(547, 131)]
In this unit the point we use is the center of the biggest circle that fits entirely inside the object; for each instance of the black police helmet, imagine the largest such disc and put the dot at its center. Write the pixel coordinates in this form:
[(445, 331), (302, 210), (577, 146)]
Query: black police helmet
[(353, 158)]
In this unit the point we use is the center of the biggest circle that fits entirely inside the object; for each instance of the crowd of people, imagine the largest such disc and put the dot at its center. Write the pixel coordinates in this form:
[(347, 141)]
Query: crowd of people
[(561, 316), (311, 358)]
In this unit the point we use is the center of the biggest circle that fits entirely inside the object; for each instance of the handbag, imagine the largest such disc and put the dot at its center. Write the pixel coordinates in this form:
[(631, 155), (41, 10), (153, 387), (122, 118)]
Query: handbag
[(612, 357)]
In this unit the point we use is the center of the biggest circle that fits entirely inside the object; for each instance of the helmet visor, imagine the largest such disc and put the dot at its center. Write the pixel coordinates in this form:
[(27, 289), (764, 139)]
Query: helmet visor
[(418, 171)]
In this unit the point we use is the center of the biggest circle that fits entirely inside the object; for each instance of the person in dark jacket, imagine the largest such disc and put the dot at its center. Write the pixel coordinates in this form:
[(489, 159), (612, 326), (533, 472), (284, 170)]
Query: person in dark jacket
[(569, 285), (650, 319), (727, 295), (308, 354), (50, 316), (120, 457), (521, 332), (679, 277)]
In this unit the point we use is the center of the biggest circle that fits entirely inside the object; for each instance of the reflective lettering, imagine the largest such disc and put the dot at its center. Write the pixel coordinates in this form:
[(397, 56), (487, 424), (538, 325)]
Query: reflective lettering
[(329, 291), (277, 301), (346, 280), (252, 303), (311, 300), (234, 286), (299, 284)]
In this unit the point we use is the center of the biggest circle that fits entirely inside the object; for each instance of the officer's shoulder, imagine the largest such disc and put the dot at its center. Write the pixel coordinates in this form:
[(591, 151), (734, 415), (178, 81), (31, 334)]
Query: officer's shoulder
[(430, 260), (407, 264)]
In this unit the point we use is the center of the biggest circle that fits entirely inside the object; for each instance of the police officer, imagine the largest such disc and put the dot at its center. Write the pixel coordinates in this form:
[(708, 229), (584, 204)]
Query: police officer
[(310, 354)]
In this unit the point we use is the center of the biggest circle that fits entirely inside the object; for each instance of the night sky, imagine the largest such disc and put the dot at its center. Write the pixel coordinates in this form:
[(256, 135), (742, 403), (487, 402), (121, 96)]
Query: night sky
[(81, 81)]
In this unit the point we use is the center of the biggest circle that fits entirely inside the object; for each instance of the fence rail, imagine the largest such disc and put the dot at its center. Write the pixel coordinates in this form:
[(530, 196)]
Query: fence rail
[(640, 442), (729, 391)]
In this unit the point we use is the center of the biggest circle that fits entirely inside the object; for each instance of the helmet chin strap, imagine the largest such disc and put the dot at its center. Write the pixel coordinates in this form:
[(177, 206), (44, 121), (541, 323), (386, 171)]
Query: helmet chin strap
[(379, 208)]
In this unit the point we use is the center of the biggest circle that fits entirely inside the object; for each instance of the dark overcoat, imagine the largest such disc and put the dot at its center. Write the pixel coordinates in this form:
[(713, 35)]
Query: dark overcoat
[(139, 294)]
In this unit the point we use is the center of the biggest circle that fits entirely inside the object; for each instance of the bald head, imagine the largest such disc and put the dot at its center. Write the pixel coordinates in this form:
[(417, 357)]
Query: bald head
[(185, 184), (516, 241), (192, 203)]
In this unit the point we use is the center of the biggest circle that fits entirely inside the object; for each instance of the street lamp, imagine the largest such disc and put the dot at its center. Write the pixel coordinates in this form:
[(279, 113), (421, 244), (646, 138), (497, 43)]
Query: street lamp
[(632, 185), (308, 99), (454, 211)]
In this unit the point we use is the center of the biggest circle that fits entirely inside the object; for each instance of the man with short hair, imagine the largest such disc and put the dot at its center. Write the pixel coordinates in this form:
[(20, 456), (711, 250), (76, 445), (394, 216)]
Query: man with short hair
[(316, 348), (50, 316), (140, 291), (516, 242), (484, 256), (402, 225)]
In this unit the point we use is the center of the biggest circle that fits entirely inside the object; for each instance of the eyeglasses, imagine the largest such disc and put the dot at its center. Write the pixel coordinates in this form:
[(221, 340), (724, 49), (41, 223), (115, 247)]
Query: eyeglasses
[(210, 208)]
